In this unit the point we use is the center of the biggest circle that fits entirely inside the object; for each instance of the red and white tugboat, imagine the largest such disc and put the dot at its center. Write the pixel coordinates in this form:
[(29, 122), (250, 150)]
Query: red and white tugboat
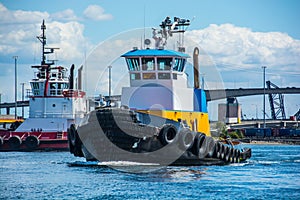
[(53, 106)]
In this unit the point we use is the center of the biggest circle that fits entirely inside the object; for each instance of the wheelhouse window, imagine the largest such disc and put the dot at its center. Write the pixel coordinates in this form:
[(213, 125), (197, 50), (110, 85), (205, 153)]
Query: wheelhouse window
[(52, 88), (133, 64), (164, 76), (179, 64), (35, 88), (148, 64), (135, 76), (149, 76), (57, 88), (164, 63), (60, 87)]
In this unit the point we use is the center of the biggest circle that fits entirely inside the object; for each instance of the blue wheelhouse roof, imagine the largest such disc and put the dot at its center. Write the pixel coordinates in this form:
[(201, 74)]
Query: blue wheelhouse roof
[(154, 52)]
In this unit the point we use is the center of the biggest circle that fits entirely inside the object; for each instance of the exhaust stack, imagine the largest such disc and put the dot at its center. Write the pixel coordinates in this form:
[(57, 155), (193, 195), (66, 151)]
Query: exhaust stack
[(196, 67), (71, 78), (79, 84)]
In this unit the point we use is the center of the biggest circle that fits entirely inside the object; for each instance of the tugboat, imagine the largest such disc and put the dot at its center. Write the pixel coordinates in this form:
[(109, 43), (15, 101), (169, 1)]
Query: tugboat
[(54, 105), (161, 120)]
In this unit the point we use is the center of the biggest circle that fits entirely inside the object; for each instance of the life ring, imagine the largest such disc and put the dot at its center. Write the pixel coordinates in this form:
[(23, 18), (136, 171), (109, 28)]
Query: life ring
[(32, 142), (186, 139), (167, 134), (14, 142)]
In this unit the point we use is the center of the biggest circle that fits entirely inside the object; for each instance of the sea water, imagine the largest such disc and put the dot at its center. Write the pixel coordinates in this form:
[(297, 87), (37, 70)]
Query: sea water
[(273, 172)]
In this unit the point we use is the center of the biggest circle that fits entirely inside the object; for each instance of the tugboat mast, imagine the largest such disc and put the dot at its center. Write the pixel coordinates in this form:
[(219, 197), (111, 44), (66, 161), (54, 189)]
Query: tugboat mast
[(168, 28), (42, 39)]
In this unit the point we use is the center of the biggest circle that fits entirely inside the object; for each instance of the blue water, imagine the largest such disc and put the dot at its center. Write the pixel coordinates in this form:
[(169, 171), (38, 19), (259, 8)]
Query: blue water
[(273, 172)]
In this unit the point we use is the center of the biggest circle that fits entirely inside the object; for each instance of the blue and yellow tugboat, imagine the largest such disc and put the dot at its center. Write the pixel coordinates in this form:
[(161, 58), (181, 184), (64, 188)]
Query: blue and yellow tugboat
[(161, 119)]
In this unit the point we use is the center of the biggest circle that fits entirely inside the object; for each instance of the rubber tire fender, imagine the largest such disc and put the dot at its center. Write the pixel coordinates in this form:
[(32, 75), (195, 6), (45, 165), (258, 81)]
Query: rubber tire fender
[(167, 134), (32, 142), (186, 139), (218, 150), (199, 139), (227, 153), (237, 155), (1, 141), (72, 134), (210, 146), (232, 155), (14, 142)]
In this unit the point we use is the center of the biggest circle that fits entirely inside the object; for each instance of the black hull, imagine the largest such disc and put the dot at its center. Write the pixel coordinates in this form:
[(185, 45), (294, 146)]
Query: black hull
[(111, 134)]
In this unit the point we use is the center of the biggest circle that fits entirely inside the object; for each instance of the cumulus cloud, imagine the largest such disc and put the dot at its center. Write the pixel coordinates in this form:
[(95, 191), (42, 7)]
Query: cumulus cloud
[(18, 35), (69, 38), (8, 17), (242, 47), (66, 15), (96, 13)]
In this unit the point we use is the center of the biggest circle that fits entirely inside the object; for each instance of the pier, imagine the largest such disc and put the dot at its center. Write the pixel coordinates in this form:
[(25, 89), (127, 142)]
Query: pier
[(211, 95)]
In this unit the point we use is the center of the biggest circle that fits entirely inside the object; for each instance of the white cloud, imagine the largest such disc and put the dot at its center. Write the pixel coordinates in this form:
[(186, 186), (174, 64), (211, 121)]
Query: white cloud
[(8, 17), (18, 31), (69, 38), (66, 15), (242, 47), (96, 13)]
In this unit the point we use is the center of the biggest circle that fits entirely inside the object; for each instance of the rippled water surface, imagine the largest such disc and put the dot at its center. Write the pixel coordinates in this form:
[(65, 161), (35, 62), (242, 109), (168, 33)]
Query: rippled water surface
[(273, 172)]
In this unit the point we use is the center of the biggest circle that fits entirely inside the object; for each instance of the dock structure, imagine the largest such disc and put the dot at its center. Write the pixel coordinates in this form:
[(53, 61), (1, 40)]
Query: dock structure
[(211, 95)]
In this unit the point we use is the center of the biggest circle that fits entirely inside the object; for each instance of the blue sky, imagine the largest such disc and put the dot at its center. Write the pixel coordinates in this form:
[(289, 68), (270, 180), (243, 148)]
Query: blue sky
[(259, 15), (240, 36)]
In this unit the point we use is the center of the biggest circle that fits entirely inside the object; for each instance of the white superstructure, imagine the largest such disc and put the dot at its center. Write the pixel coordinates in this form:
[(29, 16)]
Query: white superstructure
[(54, 104)]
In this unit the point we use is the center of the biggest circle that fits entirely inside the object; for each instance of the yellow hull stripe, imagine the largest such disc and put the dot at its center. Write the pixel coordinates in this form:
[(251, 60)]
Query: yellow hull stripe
[(197, 121), (10, 120)]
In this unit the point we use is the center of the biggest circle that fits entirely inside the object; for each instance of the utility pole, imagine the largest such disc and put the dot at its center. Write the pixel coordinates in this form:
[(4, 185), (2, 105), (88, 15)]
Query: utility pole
[(109, 83), (23, 99), (16, 87), (264, 100)]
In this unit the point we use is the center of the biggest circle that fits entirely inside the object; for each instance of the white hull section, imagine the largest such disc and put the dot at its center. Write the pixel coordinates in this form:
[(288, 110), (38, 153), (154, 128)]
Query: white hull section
[(45, 125)]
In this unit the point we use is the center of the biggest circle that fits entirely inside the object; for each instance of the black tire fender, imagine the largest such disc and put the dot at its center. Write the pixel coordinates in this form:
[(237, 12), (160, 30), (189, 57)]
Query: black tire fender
[(210, 146), (232, 155), (218, 150), (222, 151), (167, 134), (72, 134), (14, 142), (186, 138), (237, 155), (32, 142), (227, 153), (199, 139), (1, 142)]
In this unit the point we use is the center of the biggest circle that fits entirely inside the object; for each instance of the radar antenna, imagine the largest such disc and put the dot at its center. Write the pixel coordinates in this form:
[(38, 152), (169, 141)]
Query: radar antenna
[(42, 39), (168, 28)]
